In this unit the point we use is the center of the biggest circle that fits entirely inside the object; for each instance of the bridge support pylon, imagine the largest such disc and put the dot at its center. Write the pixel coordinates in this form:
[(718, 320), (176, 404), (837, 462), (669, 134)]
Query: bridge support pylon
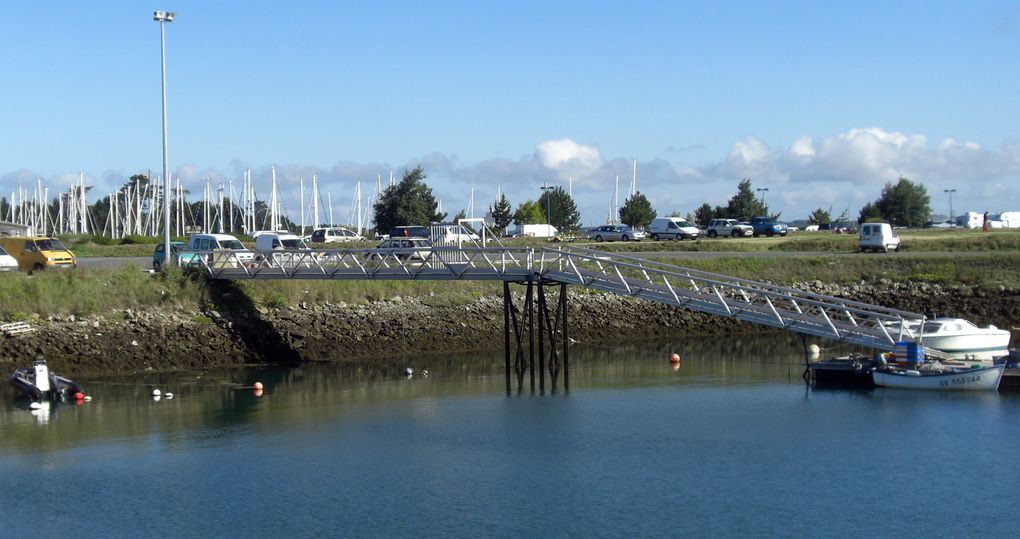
[(552, 334)]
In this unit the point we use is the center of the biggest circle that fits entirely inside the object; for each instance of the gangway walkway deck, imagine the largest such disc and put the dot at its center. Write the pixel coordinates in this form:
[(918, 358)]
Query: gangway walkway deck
[(760, 303)]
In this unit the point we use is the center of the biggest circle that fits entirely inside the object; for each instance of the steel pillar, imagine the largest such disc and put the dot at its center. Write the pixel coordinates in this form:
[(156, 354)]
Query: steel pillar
[(552, 329)]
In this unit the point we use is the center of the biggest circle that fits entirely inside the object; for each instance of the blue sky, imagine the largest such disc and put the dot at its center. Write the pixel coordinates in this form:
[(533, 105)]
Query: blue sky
[(821, 102)]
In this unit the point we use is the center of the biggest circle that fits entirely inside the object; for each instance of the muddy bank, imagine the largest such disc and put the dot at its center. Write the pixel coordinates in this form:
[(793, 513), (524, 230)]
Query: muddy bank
[(165, 341)]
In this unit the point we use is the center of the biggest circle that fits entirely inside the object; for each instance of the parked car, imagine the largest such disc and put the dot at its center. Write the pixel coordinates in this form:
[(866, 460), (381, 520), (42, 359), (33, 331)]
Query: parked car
[(7, 262), (410, 232), (269, 241), (38, 253), (672, 228), (729, 228), (403, 249), (207, 244), (878, 237), (767, 226), (159, 258), (334, 234), (616, 233)]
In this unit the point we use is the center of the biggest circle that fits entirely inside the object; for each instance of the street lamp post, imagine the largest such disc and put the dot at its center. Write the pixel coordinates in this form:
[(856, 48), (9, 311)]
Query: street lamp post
[(761, 192), (548, 205), (164, 17), (950, 191)]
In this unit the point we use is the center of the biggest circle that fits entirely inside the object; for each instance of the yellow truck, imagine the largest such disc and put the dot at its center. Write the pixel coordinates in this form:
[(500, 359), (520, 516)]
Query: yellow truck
[(38, 253)]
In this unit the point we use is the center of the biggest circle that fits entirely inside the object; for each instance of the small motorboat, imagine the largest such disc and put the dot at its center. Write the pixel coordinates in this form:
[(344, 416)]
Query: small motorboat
[(939, 377), (959, 338), (38, 382)]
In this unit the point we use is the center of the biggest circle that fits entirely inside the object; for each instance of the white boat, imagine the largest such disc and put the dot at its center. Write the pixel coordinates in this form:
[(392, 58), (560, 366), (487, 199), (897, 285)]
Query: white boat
[(939, 378), (962, 339)]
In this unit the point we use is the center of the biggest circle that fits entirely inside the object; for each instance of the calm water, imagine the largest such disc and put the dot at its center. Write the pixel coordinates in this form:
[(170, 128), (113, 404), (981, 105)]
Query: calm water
[(730, 445)]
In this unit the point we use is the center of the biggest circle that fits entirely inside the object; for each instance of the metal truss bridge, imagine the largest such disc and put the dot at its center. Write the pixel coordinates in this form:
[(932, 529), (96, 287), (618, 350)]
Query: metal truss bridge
[(756, 302)]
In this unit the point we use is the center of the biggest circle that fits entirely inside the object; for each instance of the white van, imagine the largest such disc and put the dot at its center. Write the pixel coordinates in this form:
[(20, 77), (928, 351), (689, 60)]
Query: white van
[(672, 228), (878, 237), (207, 243), (270, 241)]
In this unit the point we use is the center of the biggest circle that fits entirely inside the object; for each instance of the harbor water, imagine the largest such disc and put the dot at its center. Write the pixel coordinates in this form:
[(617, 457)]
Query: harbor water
[(729, 444)]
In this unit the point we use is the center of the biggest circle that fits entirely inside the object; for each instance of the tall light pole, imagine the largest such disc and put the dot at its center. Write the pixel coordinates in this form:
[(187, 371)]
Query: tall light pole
[(164, 17), (761, 192), (548, 204), (950, 191)]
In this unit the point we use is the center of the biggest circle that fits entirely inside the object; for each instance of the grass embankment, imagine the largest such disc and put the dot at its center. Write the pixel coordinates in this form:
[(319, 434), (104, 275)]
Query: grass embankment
[(109, 292)]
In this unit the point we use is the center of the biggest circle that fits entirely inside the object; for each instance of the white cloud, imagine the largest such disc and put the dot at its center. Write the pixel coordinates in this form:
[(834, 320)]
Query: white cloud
[(568, 158)]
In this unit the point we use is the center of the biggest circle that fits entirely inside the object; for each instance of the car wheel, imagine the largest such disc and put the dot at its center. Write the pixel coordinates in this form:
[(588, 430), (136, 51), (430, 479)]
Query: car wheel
[(156, 266), (897, 248), (626, 238), (864, 249), (598, 239), (655, 237), (712, 233), (38, 267), (769, 234), (736, 234)]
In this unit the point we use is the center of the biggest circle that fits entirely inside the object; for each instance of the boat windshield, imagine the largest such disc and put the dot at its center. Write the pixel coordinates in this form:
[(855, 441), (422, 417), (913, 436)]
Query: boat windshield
[(231, 244), (50, 244)]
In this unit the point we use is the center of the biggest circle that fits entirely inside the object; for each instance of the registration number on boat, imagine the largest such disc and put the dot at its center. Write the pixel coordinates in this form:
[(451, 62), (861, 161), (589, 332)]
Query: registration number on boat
[(960, 381)]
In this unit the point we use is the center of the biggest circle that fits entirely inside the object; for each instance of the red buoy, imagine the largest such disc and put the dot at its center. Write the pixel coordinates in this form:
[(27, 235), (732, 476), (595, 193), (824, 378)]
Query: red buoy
[(675, 358), (79, 396)]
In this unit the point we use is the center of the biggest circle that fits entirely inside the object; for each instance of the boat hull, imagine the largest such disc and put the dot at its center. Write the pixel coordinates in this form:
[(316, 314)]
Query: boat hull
[(980, 379), (989, 345)]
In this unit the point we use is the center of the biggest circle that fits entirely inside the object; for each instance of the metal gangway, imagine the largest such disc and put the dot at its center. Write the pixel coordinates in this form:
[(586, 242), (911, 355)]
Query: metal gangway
[(761, 303)]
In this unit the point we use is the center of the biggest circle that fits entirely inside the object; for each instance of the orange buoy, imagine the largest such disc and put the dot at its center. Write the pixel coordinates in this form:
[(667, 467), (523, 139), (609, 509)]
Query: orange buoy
[(257, 386), (675, 358)]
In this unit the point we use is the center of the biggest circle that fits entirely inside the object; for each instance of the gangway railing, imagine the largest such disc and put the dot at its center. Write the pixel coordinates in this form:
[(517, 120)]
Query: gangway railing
[(751, 301), (423, 263), (756, 302)]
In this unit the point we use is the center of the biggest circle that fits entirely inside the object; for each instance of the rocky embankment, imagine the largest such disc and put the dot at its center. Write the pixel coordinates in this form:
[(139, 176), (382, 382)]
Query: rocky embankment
[(164, 341)]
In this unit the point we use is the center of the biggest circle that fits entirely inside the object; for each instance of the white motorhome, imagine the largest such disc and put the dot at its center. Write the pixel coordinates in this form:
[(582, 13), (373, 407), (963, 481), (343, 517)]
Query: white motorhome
[(536, 231), (878, 237)]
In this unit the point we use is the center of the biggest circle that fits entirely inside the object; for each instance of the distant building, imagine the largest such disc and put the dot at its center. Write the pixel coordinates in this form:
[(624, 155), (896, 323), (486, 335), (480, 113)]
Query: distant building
[(14, 229)]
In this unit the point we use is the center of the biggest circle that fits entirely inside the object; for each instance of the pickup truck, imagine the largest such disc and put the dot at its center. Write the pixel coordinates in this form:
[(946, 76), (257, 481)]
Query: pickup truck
[(767, 226)]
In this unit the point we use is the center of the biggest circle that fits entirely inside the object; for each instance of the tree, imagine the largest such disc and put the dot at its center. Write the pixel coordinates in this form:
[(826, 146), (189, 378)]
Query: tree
[(869, 212), (905, 203), (529, 213), (410, 202), (744, 205), (704, 215), (502, 213), (637, 211), (560, 208), (820, 216), (462, 214)]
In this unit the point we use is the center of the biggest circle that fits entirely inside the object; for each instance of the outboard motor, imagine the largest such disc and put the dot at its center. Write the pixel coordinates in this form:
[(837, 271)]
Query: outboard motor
[(42, 377)]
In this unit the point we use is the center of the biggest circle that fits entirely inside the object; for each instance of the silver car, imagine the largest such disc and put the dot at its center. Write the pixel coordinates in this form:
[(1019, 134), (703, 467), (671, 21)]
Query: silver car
[(616, 233)]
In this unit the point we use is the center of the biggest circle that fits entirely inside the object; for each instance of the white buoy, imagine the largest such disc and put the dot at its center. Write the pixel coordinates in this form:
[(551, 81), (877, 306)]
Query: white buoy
[(169, 395), (408, 371), (156, 392), (814, 349), (34, 406), (88, 398)]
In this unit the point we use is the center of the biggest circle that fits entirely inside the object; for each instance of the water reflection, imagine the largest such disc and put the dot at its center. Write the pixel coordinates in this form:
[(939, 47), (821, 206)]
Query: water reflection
[(210, 403)]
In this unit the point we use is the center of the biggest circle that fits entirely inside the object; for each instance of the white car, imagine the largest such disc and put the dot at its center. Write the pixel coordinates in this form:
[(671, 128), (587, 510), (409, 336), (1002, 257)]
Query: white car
[(729, 228), (334, 234), (7, 262)]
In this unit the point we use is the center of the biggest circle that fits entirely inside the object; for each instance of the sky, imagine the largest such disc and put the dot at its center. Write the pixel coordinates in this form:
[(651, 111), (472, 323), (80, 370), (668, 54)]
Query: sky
[(820, 102)]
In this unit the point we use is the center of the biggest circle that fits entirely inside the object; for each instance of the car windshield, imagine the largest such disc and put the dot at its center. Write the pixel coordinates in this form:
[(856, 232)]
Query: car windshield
[(50, 245), (231, 244), (294, 244)]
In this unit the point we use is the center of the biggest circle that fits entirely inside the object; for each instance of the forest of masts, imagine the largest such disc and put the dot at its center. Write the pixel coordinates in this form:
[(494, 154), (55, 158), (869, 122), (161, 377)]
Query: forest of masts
[(137, 209)]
